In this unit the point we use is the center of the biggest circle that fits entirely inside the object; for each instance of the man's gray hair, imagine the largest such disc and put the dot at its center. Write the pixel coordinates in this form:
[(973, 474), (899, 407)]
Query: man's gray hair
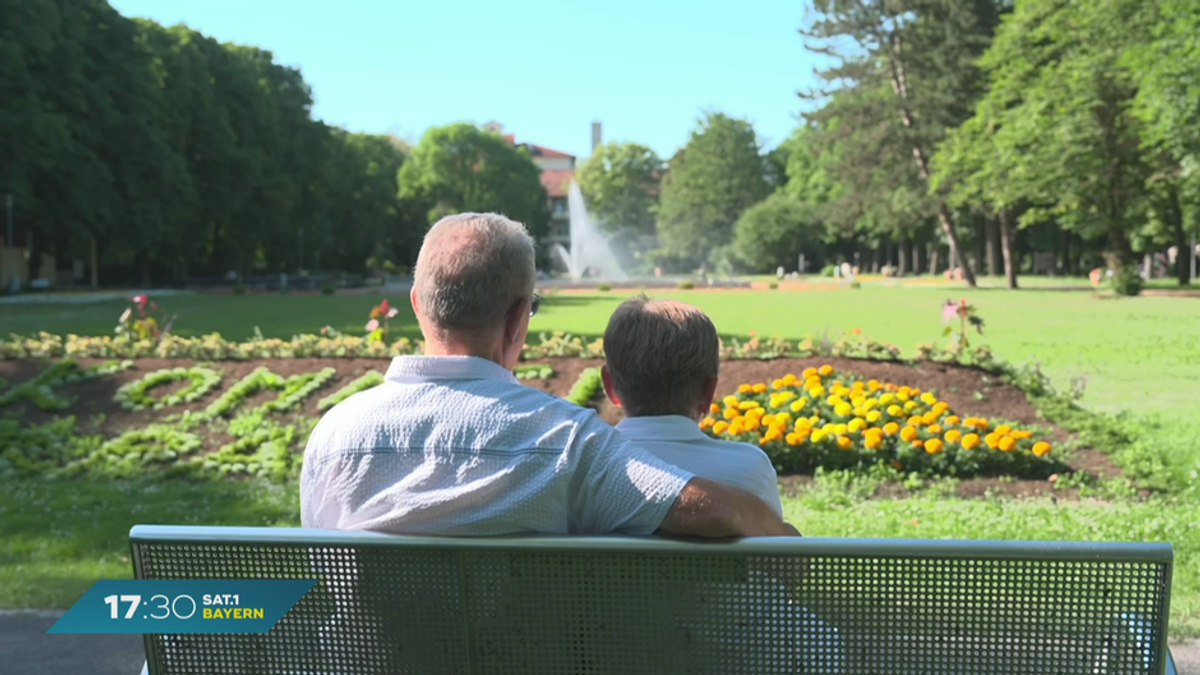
[(661, 355), (472, 269)]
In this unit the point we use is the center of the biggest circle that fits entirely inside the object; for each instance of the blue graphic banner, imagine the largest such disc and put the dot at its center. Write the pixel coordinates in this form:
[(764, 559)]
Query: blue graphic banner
[(169, 606)]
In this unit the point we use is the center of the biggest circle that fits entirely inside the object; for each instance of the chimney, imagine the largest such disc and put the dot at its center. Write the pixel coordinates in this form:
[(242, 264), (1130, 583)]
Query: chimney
[(596, 137)]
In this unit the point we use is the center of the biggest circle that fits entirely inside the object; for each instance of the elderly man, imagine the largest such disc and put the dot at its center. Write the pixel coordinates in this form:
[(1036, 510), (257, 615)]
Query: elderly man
[(452, 444)]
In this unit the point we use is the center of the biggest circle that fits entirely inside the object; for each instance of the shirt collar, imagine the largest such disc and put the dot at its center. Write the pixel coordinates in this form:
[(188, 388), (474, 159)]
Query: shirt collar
[(414, 369), (660, 428)]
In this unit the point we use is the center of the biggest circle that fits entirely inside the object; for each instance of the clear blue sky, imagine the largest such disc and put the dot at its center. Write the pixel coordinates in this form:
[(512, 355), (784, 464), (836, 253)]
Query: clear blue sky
[(544, 69)]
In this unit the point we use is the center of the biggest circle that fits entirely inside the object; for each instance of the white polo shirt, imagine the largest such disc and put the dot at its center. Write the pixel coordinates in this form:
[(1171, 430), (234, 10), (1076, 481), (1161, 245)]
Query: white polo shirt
[(456, 446), (678, 440)]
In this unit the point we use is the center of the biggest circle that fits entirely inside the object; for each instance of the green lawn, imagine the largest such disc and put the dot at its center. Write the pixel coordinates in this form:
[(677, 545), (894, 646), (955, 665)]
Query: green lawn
[(1139, 356)]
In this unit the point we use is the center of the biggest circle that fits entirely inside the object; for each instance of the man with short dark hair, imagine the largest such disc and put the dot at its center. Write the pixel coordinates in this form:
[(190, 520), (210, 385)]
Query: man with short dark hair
[(662, 361)]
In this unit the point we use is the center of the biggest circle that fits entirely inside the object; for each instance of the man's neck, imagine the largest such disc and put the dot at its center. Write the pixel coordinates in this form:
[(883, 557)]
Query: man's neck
[(462, 348)]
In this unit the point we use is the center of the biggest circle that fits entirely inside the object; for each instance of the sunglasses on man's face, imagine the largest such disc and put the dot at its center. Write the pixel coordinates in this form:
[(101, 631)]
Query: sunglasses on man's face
[(535, 302)]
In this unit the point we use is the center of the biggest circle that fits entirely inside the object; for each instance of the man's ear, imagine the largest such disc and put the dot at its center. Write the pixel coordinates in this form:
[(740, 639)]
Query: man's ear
[(609, 389), (512, 323), (710, 392), (412, 297)]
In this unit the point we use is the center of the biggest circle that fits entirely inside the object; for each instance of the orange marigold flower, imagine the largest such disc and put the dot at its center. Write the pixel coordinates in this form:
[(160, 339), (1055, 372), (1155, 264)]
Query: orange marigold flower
[(992, 440), (919, 443), (908, 433), (1041, 448), (745, 389), (951, 421), (872, 441), (809, 372), (714, 408), (1003, 429), (720, 427), (891, 428), (933, 446), (844, 442), (759, 388), (970, 441), (825, 370), (916, 421), (935, 429), (1006, 443), (953, 436)]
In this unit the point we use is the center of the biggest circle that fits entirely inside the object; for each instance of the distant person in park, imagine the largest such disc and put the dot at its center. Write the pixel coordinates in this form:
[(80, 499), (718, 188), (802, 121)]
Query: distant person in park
[(662, 363), (453, 444)]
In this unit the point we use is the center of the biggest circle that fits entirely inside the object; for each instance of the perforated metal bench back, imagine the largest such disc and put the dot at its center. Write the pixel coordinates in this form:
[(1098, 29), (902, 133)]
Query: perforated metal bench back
[(569, 605)]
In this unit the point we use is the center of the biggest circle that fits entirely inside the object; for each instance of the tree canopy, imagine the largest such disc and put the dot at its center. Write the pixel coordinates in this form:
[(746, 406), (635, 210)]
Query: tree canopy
[(620, 183)]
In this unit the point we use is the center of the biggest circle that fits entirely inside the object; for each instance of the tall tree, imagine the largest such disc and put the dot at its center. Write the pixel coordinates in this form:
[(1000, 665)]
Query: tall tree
[(620, 183), (774, 232), (460, 167), (711, 181), (923, 52)]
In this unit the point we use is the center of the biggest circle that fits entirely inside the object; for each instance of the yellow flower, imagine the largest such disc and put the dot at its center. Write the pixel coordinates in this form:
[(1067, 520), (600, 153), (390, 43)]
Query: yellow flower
[(844, 442), (735, 427), (778, 384), (1041, 448), (783, 418), (745, 388), (825, 370), (886, 399), (730, 401), (818, 435), (730, 413), (874, 385), (720, 427), (992, 440), (795, 438), (909, 406), (840, 429), (940, 408), (856, 424), (970, 441), (799, 404), (928, 398), (746, 405), (933, 446), (789, 380), (707, 422), (902, 395), (981, 423), (1003, 429), (919, 443), (908, 433), (873, 416), (935, 428), (915, 421), (891, 428), (809, 372), (1006, 443), (1020, 435), (842, 409), (872, 441), (803, 423), (953, 435), (768, 419), (751, 423), (781, 398), (833, 400), (759, 388), (951, 421), (816, 392), (772, 435), (895, 411)]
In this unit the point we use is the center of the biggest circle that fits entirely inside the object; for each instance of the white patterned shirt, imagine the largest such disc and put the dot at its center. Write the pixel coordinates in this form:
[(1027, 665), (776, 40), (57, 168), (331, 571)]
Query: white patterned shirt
[(679, 441), (456, 446)]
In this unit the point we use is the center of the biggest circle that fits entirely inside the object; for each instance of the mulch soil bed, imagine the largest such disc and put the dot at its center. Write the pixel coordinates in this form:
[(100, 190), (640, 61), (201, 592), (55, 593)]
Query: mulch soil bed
[(968, 391)]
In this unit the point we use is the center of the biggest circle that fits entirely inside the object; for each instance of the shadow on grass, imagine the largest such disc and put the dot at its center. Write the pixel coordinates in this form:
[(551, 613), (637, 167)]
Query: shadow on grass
[(60, 536)]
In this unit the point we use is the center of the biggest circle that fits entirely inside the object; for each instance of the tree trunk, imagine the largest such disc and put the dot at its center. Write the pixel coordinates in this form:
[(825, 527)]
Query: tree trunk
[(1006, 247), (94, 266), (875, 261), (933, 260), (980, 235), (36, 248), (993, 246), (1182, 254), (916, 258), (902, 257), (900, 86), (1066, 253)]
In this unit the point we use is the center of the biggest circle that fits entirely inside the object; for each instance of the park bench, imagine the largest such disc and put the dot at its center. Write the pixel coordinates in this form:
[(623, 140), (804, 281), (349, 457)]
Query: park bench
[(390, 604)]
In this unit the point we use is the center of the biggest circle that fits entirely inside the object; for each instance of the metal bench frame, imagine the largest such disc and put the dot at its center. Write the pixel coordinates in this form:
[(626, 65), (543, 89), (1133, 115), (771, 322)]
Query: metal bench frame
[(1161, 555)]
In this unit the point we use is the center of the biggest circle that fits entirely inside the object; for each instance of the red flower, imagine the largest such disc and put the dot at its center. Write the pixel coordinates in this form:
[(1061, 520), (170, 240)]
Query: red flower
[(857, 331), (383, 306)]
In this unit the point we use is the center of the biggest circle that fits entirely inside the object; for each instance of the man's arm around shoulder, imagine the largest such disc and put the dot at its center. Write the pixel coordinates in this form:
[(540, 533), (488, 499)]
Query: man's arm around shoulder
[(706, 508)]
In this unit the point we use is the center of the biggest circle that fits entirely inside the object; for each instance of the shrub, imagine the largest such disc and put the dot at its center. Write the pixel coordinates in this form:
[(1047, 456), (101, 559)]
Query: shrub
[(855, 285), (687, 285), (327, 288), (585, 387), (773, 285), (829, 420), (1127, 281), (828, 270), (604, 286)]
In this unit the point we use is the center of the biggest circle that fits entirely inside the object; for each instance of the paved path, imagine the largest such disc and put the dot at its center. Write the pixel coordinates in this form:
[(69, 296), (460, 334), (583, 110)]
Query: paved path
[(25, 649)]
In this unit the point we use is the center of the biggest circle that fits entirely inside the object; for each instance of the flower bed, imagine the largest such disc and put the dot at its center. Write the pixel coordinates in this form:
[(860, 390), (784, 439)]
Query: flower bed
[(839, 420)]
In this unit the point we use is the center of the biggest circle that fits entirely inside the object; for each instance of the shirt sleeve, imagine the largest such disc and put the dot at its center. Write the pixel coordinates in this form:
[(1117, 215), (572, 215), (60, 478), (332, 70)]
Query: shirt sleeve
[(769, 490), (620, 488)]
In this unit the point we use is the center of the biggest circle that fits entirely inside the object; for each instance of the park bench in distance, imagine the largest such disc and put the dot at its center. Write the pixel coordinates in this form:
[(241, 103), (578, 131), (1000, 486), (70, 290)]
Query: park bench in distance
[(642, 605)]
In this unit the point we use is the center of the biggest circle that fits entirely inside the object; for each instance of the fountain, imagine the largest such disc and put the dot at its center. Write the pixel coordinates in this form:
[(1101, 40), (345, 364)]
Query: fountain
[(589, 248)]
